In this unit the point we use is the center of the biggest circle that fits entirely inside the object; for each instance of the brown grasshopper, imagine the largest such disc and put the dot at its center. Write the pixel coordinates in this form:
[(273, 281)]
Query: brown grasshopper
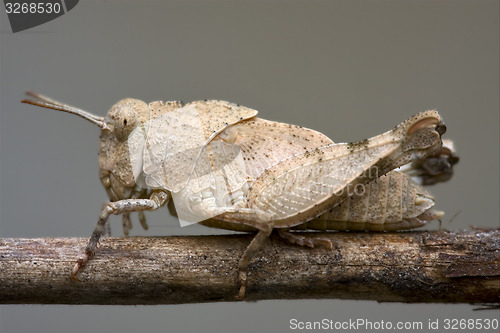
[(224, 166)]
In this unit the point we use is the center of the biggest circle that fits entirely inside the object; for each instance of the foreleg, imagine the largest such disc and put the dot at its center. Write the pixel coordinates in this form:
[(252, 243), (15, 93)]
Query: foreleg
[(156, 200), (126, 222)]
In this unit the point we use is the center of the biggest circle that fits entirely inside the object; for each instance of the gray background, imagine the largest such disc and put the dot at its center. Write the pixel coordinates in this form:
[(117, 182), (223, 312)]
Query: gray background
[(350, 69)]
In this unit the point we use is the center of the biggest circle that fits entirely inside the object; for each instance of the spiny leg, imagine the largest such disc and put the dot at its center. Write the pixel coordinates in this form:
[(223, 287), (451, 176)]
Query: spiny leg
[(250, 251), (107, 231), (126, 223), (142, 220), (257, 219), (262, 221), (311, 242), (157, 200)]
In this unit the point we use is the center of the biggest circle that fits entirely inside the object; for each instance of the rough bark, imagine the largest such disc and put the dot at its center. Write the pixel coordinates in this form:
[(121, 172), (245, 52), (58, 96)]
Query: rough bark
[(444, 267)]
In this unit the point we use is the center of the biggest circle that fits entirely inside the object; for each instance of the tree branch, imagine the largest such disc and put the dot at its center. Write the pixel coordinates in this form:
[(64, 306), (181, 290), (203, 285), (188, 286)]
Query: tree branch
[(444, 267)]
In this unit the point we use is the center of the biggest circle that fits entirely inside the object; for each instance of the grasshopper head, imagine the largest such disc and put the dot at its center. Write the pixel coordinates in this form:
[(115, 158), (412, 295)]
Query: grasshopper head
[(124, 117), (114, 157), (115, 160)]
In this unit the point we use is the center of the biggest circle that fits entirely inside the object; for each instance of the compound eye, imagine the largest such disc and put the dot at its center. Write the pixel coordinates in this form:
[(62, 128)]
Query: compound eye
[(125, 123), (124, 117)]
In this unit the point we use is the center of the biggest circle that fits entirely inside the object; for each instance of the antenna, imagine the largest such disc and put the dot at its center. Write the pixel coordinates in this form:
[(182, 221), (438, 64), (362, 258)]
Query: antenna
[(46, 102)]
